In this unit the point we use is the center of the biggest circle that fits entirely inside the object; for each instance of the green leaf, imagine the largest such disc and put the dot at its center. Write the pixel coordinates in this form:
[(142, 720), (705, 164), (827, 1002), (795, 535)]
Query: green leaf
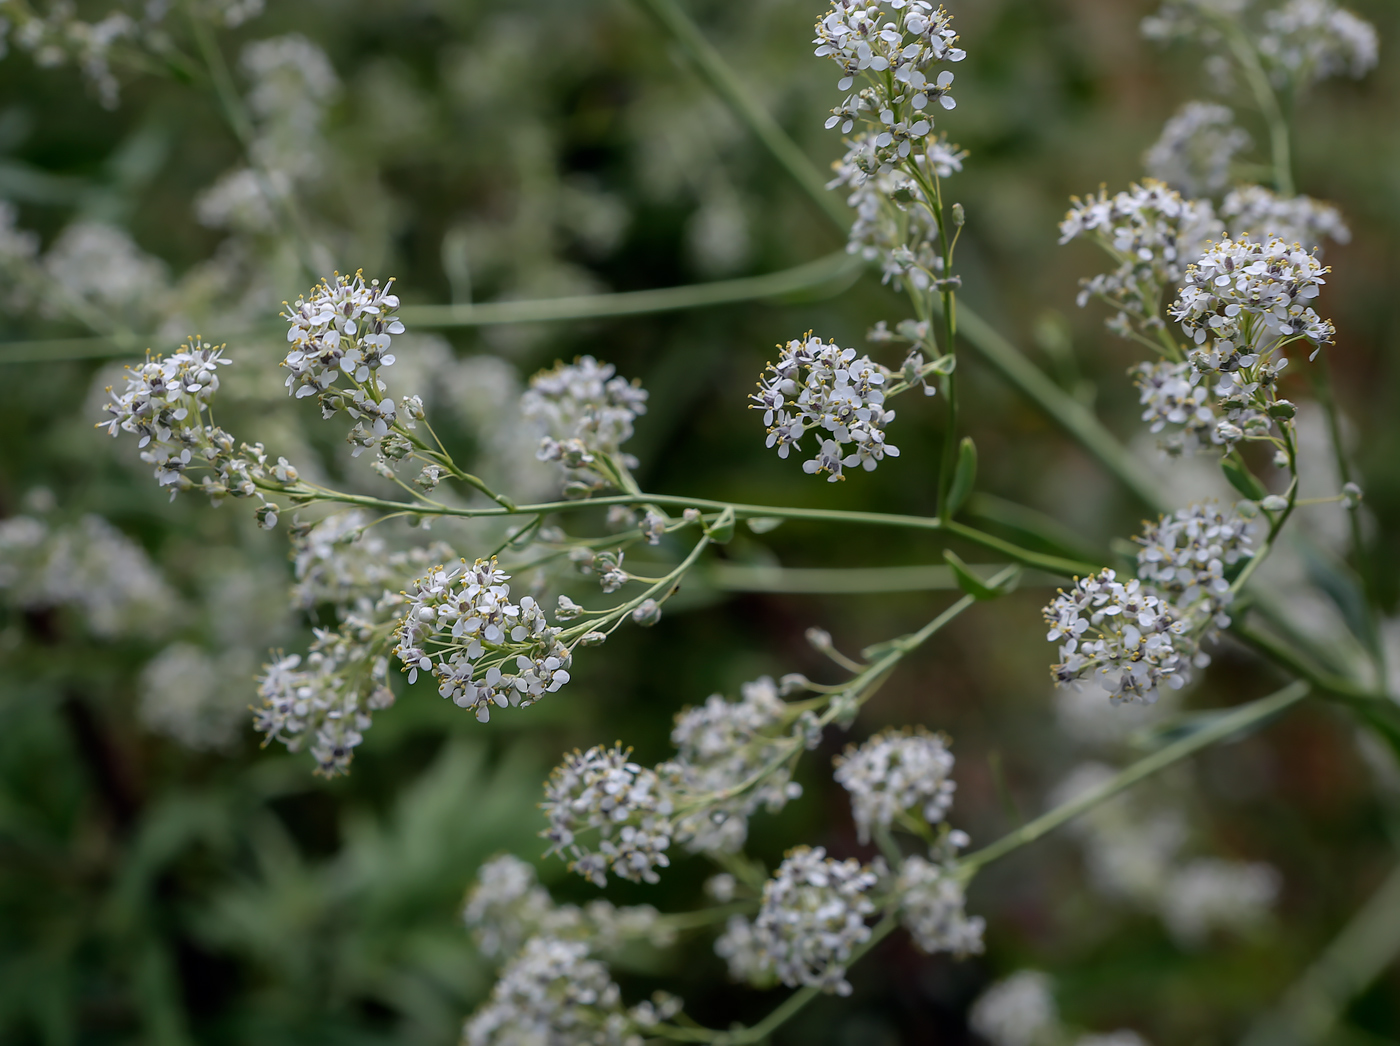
[(763, 524), (1243, 480), (973, 585), (964, 475), (721, 531)]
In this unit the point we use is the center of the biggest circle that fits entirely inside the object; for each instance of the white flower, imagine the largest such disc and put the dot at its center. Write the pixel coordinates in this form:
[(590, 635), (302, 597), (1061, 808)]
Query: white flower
[(552, 994), (932, 909), (1196, 148), (1248, 295), (812, 918), (484, 649), (1122, 635), (1309, 40), (839, 394), (627, 805), (345, 326), (1185, 557), (738, 946), (325, 703), (1151, 231), (1018, 1011), (1252, 212), (1173, 395), (588, 412), (1210, 894), (723, 746), (895, 772)]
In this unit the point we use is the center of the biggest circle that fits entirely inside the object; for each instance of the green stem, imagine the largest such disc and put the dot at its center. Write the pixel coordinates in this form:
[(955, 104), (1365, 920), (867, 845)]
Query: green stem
[(1227, 725), (745, 577), (716, 72), (1026, 557), (1267, 100)]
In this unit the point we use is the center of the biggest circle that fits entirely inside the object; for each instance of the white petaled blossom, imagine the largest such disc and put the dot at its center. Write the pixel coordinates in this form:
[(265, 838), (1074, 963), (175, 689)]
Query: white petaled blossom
[(89, 567), (1252, 212), (896, 772), (507, 906), (813, 916), (895, 224), (1211, 894), (722, 746), (738, 946), (1309, 40), (820, 386), (1171, 394), (344, 562), (345, 326), (588, 411), (483, 649), (324, 702), (553, 994), (1018, 1011), (932, 908), (1122, 636), (1196, 148), (165, 405), (1185, 556), (627, 805), (1152, 232)]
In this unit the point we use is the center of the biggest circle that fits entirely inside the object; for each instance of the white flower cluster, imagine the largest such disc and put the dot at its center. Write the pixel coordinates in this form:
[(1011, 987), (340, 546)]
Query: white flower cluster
[(1252, 212), (1309, 40), (89, 567), (626, 804), (1210, 894), (59, 36), (324, 702), (896, 772), (553, 993), (1196, 148), (1185, 557), (723, 746), (932, 907), (856, 36), (840, 394), (343, 561), (812, 918), (1152, 232), (588, 411), (1021, 1011), (1244, 295), (1123, 636), (895, 224), (164, 405), (345, 326), (1172, 394), (488, 649), (507, 906)]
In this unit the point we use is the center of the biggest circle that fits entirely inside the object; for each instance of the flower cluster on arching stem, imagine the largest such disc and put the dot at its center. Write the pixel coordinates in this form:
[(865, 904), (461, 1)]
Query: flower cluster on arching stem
[(588, 412), (461, 626)]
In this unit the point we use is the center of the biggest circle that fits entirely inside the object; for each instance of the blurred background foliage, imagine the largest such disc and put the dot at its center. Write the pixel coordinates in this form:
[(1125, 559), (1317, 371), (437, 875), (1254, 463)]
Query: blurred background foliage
[(164, 880)]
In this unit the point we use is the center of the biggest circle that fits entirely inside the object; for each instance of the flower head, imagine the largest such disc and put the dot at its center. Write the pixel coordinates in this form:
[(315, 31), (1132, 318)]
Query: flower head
[(343, 326), (1252, 212), (895, 772), (484, 649), (932, 909), (1185, 556), (627, 805), (813, 916), (588, 412), (1196, 149)]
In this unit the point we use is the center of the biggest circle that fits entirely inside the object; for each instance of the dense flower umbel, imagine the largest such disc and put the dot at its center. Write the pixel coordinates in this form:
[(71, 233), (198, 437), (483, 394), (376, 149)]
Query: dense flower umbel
[(1123, 636), (1252, 212), (1309, 40), (1196, 148), (1152, 232), (588, 413), (858, 38), (343, 326), (553, 994), (931, 907), (839, 394), (723, 746), (626, 804), (324, 702), (895, 772), (1247, 296), (1171, 394), (484, 649), (812, 917), (1185, 557)]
